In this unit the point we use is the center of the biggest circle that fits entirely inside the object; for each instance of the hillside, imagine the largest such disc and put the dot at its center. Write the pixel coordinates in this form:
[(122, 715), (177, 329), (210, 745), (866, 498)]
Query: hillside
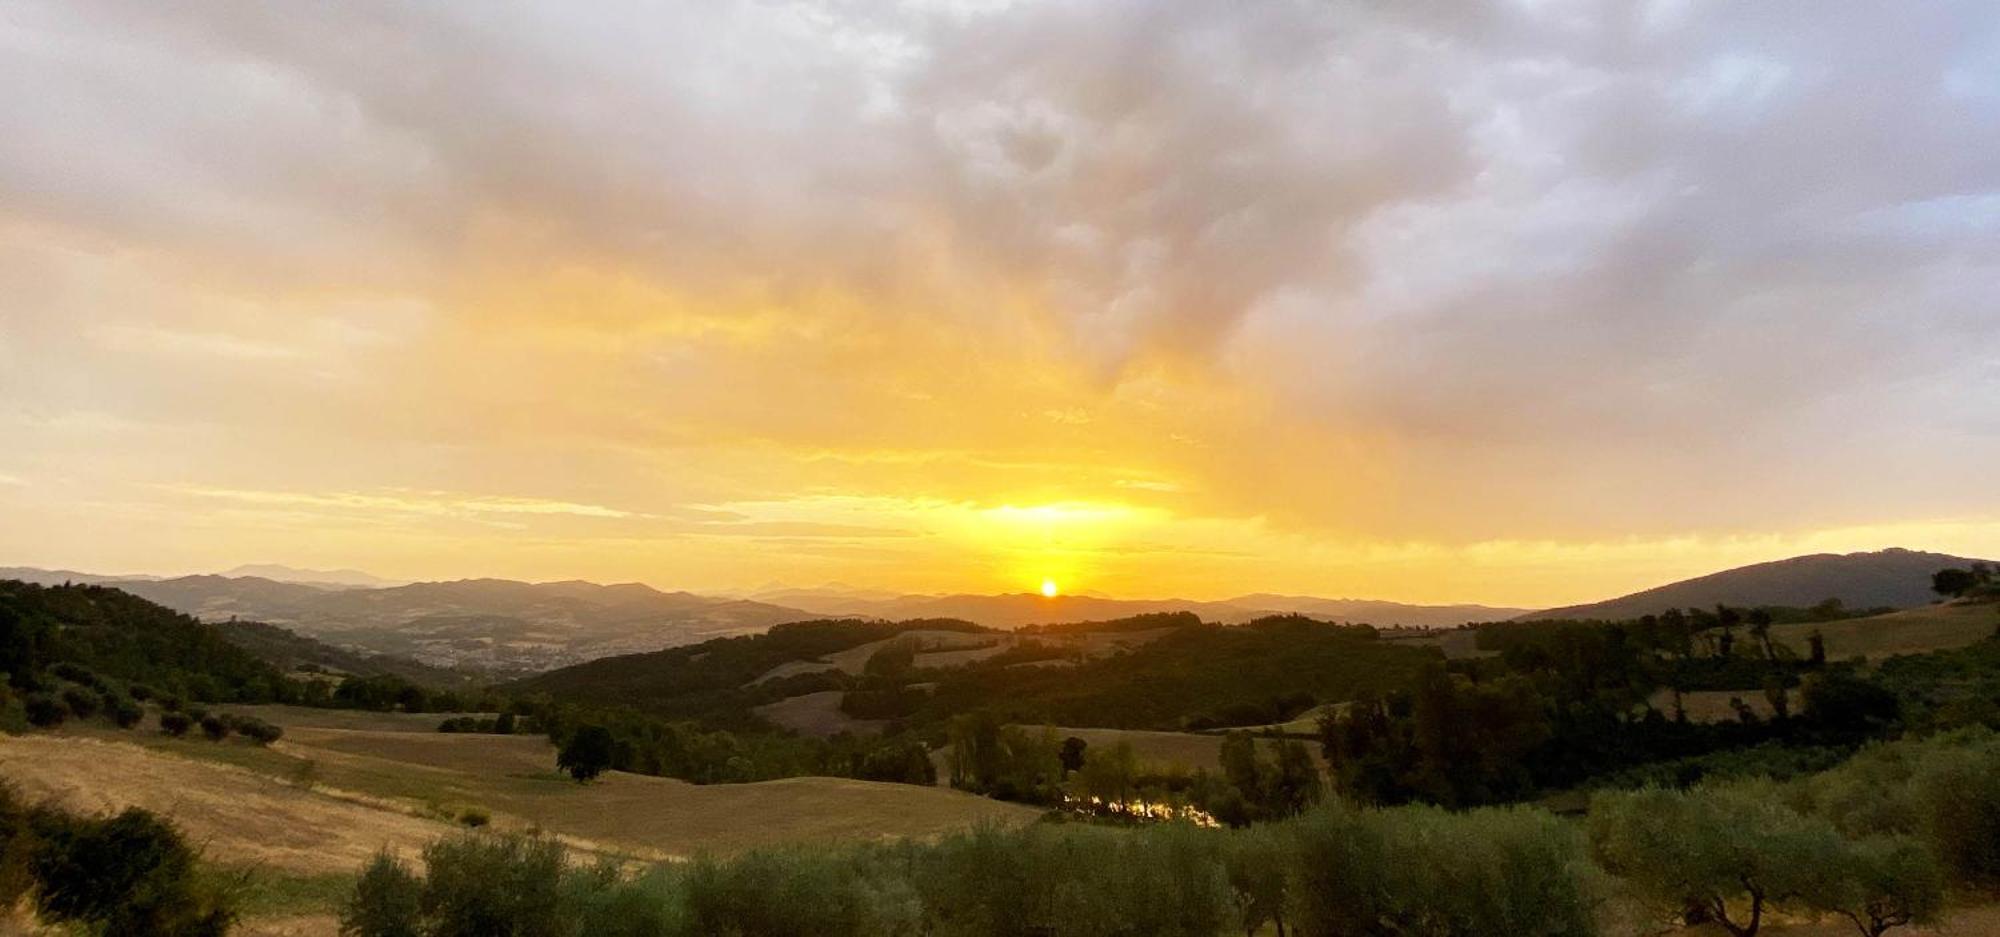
[(115, 634), (1014, 610), (1141, 673), (490, 624), (1893, 578), (288, 652)]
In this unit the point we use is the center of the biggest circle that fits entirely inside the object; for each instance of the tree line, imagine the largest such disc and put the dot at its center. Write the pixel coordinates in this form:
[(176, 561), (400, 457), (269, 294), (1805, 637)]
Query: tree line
[(1880, 842)]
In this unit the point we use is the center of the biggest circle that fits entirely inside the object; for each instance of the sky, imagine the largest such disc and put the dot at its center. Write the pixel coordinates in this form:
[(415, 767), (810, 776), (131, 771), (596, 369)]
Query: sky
[(1522, 303)]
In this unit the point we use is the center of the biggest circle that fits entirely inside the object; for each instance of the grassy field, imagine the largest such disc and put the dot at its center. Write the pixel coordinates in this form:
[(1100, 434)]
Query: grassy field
[(305, 813), (817, 714), (957, 648), (1912, 631)]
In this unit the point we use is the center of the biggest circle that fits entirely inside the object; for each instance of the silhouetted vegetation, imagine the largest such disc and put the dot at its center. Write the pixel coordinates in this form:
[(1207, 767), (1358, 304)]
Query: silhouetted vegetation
[(129, 873)]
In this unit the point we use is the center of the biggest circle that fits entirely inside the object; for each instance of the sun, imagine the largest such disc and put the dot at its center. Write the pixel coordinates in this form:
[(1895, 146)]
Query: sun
[(1049, 589)]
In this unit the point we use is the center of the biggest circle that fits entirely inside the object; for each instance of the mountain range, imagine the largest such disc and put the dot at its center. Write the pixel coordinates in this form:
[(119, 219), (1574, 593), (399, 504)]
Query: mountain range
[(507, 626)]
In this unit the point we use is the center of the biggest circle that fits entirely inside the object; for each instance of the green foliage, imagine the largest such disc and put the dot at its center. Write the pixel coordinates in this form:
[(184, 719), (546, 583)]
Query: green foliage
[(175, 724), (893, 659), (45, 710), (1954, 582), (587, 753), (1183, 678), (482, 886), (215, 727), (1723, 855), (108, 633), (255, 729), (711, 680), (1005, 761), (127, 874), (125, 713), (1879, 883), (387, 901)]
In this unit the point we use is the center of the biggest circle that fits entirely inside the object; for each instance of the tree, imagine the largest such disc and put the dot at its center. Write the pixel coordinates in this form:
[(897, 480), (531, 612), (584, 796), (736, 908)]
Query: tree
[(1726, 856), (505, 724), (1255, 861), (1954, 582), (587, 753), (1760, 628), (893, 659), (1072, 753), (1879, 883)]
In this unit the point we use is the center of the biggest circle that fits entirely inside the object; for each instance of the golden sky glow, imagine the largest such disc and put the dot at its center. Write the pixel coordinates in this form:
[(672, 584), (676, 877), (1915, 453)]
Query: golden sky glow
[(1327, 299)]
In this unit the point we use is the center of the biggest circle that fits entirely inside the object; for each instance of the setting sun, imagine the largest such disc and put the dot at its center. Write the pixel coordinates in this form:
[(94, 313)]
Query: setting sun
[(1049, 588)]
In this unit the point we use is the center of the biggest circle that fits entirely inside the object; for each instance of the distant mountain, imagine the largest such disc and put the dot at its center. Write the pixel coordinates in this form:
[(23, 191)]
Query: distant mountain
[(1028, 608), (1895, 577), (1376, 612), (288, 652), (343, 578), (487, 624), (56, 577)]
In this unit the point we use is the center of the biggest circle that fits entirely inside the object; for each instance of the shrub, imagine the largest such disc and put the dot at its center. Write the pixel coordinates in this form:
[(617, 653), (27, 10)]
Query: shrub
[(129, 874), (481, 885), (83, 702), (387, 901), (126, 713), (175, 724), (474, 817), (255, 729), (215, 727), (45, 711)]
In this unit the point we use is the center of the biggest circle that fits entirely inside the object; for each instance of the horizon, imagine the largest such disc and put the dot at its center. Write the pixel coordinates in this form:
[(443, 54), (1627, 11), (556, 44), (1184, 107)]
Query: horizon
[(760, 592), (1524, 308)]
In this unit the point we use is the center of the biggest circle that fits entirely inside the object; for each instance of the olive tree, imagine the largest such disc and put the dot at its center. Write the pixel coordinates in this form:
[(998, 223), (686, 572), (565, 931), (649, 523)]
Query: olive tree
[(1711, 855)]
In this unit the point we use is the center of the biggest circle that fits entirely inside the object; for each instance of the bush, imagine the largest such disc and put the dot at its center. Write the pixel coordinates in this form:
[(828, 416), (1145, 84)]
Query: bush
[(83, 702), (126, 713), (175, 723), (45, 711), (129, 874), (387, 901), (215, 727), (481, 885), (474, 817), (255, 729)]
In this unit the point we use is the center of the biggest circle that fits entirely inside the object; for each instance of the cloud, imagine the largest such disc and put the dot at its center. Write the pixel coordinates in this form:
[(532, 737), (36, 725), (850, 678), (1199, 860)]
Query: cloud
[(1354, 271)]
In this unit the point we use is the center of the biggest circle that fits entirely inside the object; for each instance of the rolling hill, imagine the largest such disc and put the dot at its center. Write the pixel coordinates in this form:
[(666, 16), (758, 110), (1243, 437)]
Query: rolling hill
[(1893, 578), (488, 624), (1013, 610)]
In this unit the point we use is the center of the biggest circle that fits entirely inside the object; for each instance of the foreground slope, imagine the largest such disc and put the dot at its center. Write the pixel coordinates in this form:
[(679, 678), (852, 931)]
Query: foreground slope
[(1893, 578)]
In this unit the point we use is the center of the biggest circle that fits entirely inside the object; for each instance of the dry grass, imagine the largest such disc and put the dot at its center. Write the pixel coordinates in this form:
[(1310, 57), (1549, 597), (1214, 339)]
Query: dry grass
[(957, 648), (1714, 706), (817, 714), (1912, 631), (235, 814)]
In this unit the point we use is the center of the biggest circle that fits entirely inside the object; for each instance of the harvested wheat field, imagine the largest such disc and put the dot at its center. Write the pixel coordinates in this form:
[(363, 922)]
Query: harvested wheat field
[(1911, 631), (817, 714), (236, 815)]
